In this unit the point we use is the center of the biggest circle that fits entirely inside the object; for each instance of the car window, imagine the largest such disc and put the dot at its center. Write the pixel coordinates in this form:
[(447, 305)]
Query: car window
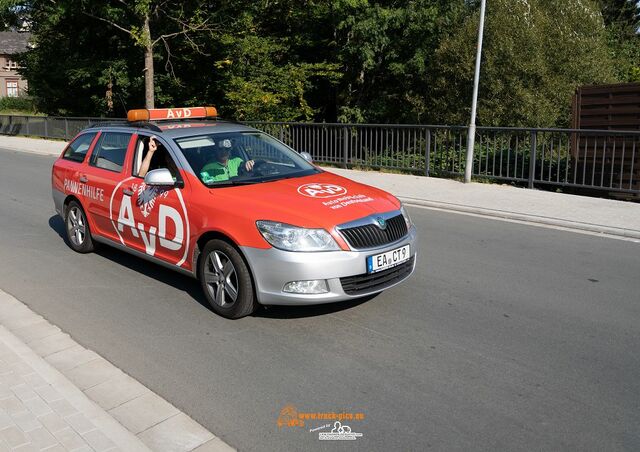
[(110, 151), (161, 158), (77, 149)]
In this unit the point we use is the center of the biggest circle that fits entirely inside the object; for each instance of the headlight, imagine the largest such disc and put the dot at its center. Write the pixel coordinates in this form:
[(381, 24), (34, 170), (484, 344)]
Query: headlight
[(293, 238), (406, 216)]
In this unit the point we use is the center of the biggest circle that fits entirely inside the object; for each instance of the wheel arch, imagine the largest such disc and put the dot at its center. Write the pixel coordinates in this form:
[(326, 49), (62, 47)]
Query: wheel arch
[(202, 241), (215, 234), (65, 204), (67, 201)]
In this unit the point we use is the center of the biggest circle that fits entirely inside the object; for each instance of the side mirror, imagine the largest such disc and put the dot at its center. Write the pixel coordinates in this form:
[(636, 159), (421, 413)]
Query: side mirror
[(159, 177), (307, 156)]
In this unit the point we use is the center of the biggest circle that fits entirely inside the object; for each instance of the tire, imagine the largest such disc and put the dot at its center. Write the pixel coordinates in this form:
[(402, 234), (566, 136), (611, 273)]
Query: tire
[(77, 229), (226, 280)]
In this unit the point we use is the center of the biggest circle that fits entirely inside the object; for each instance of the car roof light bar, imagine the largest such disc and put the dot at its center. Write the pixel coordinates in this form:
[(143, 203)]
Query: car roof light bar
[(169, 114)]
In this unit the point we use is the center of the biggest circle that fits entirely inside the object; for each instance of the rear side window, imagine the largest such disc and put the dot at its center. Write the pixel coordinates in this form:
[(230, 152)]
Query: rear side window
[(78, 148), (110, 151)]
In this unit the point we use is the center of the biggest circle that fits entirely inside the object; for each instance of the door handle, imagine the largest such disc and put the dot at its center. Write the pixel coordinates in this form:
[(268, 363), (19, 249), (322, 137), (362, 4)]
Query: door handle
[(84, 179), (127, 191)]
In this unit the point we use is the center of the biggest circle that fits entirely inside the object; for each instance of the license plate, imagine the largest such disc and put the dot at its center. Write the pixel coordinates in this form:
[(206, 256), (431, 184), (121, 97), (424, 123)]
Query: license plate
[(383, 261)]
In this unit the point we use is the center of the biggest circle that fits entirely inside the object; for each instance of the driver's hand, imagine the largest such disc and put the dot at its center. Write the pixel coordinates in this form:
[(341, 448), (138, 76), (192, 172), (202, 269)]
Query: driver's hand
[(249, 165)]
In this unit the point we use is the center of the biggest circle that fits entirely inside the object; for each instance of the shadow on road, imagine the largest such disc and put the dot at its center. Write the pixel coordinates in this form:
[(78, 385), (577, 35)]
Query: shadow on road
[(298, 312), (57, 224), (155, 271)]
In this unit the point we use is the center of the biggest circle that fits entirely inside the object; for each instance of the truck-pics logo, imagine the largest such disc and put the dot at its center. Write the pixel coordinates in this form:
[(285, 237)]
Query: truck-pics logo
[(321, 190), (339, 432), (290, 417)]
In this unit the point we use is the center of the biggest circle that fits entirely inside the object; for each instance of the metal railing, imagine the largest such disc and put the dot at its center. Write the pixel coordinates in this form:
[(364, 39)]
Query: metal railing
[(599, 160), (48, 126)]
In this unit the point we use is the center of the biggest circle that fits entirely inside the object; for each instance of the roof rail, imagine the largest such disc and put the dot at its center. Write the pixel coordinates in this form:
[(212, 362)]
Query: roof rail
[(153, 125), (137, 125), (145, 125)]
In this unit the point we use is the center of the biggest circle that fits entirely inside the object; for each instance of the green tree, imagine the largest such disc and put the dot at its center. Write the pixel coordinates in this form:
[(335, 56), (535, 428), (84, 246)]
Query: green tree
[(535, 54), (68, 73), (622, 18), (325, 60), (92, 57), (269, 61), (386, 50), (135, 18), (623, 14), (13, 14)]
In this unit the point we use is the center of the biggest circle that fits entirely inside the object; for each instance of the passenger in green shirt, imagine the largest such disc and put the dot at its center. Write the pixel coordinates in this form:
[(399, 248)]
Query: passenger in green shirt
[(223, 168)]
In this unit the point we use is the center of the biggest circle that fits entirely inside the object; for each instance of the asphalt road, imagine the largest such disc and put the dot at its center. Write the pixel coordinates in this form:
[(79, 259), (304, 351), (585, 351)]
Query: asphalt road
[(507, 337)]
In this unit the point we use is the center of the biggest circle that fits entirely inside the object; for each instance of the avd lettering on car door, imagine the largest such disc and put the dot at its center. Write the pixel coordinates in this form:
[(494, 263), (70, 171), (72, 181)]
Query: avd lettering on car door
[(153, 219)]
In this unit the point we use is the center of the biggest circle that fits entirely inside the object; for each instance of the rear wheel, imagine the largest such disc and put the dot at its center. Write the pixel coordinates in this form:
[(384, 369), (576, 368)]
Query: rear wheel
[(225, 280), (77, 229)]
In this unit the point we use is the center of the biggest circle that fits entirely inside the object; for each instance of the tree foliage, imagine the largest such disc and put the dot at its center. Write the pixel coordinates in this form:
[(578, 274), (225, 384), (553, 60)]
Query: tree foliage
[(535, 54), (383, 61), (623, 14), (622, 18)]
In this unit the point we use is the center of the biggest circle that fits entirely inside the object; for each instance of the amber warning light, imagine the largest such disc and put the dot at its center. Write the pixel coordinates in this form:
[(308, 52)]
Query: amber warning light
[(160, 114)]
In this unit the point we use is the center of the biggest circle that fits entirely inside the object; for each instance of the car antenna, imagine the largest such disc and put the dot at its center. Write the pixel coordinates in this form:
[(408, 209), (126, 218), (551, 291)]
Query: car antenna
[(124, 105)]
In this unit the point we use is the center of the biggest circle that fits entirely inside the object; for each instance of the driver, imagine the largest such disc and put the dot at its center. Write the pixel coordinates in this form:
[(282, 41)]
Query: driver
[(223, 168)]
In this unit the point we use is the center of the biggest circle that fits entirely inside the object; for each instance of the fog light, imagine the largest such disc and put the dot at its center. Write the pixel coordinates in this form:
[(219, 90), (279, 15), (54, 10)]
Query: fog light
[(315, 286)]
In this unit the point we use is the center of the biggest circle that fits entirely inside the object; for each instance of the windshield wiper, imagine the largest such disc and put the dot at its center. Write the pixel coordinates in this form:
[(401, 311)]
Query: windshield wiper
[(232, 183), (295, 175)]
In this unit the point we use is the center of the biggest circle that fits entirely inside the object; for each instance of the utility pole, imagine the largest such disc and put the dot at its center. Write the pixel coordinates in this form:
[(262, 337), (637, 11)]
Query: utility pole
[(471, 134)]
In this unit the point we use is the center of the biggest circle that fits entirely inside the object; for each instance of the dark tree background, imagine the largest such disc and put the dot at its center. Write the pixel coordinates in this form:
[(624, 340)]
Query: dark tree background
[(402, 61)]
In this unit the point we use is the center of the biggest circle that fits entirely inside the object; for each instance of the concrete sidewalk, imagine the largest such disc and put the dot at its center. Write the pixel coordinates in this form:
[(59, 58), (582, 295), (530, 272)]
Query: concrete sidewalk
[(612, 218), (609, 217), (56, 395), (32, 145)]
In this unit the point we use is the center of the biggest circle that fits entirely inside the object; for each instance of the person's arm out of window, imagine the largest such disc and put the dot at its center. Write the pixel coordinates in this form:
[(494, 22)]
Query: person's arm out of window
[(146, 162)]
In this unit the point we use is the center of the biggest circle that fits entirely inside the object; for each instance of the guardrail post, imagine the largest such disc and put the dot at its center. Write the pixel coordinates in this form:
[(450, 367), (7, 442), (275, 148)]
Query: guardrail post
[(532, 157), (27, 125), (46, 127), (427, 154), (66, 129), (345, 149)]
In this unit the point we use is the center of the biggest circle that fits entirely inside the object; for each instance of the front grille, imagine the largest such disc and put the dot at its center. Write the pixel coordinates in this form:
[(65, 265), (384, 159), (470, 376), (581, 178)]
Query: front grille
[(373, 282), (371, 236)]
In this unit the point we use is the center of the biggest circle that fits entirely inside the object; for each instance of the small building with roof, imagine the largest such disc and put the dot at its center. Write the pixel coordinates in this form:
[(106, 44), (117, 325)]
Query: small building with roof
[(11, 83)]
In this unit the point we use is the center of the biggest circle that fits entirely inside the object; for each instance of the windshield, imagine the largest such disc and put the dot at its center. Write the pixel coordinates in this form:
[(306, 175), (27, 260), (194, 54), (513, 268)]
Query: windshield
[(241, 158)]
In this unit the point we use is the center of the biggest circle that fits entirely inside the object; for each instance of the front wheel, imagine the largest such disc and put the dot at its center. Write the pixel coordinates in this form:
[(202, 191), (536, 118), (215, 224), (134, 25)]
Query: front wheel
[(225, 280), (77, 228)]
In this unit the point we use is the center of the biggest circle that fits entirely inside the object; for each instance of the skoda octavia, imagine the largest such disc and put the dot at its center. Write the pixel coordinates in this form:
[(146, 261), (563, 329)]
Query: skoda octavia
[(253, 220)]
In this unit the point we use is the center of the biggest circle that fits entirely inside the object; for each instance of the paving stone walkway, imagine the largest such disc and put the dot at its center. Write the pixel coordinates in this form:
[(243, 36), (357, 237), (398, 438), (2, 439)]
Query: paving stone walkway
[(56, 395)]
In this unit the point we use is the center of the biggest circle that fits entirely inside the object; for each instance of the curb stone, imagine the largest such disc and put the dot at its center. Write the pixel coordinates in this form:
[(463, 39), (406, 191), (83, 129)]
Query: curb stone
[(620, 233)]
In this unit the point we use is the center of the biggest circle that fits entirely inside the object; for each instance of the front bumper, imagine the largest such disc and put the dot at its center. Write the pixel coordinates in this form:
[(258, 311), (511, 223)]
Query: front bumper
[(273, 268)]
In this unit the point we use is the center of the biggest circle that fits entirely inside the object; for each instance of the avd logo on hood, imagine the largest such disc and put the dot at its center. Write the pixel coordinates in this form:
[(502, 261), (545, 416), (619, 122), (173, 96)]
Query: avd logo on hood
[(321, 190)]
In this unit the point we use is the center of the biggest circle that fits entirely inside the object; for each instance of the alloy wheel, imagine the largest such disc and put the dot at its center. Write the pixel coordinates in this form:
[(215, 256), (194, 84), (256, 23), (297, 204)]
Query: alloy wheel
[(76, 225), (221, 279)]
